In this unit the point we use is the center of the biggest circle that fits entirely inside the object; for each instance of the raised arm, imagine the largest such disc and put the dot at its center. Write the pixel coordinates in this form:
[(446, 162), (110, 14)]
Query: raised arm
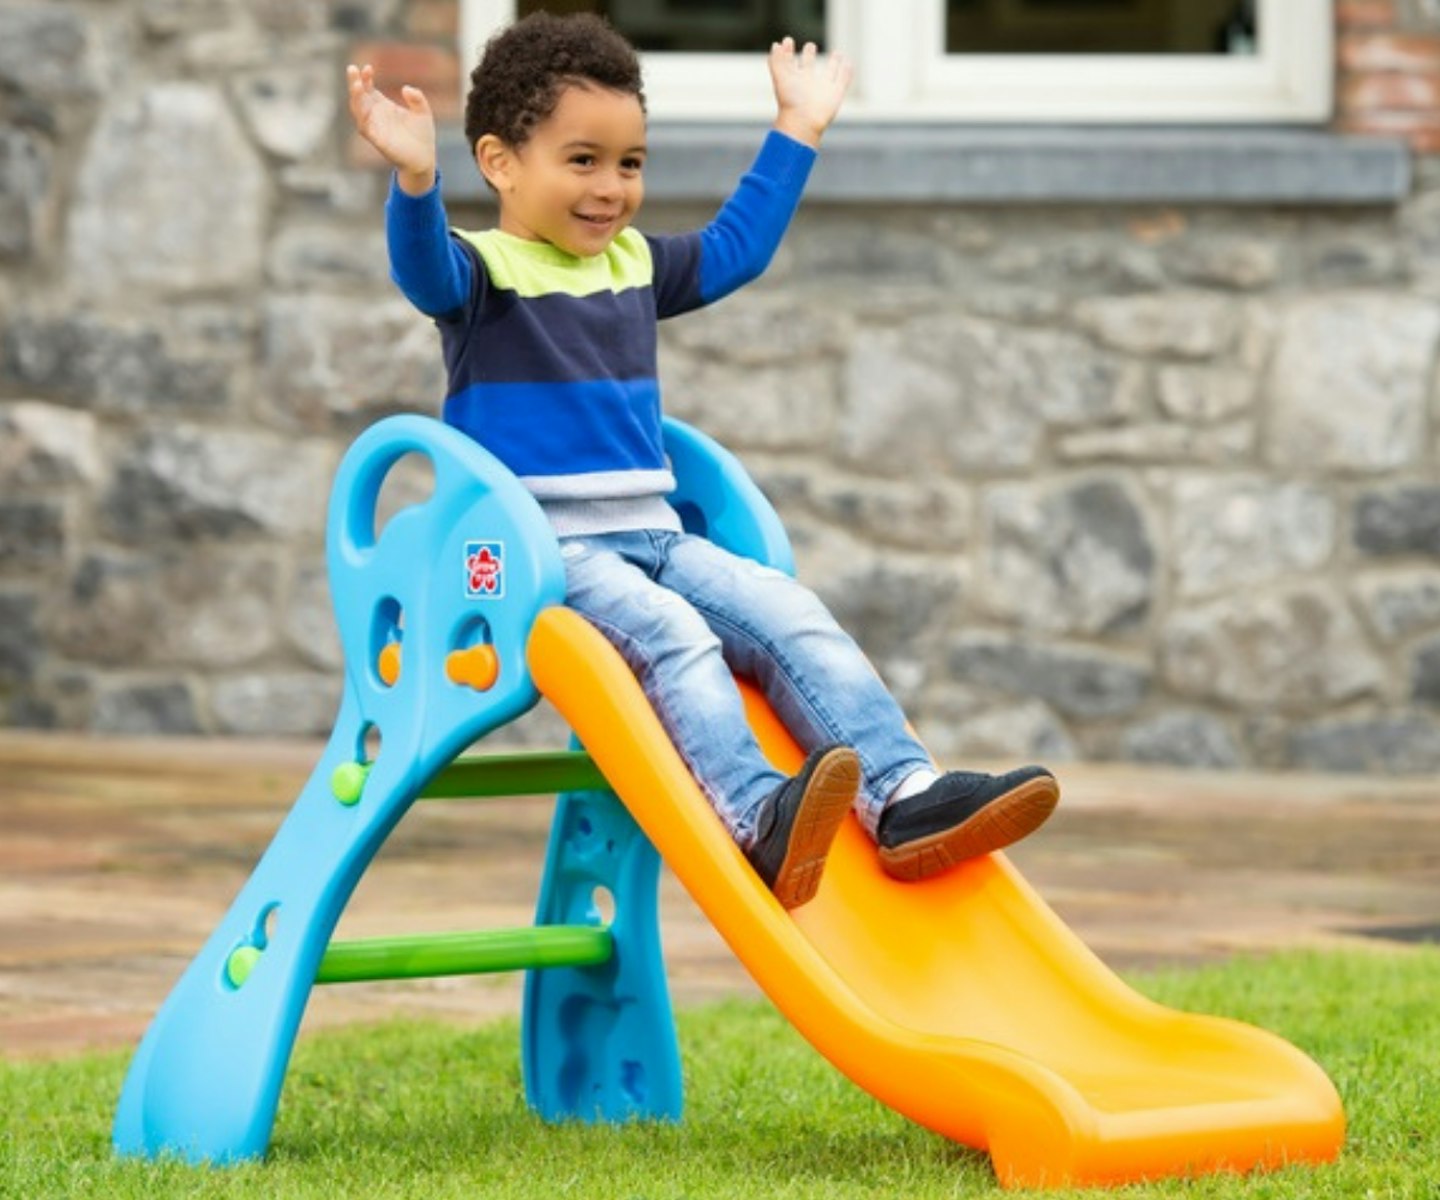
[(739, 243), (433, 272)]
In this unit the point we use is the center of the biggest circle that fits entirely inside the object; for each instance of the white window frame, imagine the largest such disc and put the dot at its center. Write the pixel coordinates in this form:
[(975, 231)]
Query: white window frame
[(903, 74)]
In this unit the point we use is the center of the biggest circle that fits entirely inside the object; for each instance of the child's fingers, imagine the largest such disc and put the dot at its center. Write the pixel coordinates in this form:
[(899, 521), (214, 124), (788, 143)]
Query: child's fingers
[(415, 100), (355, 92), (360, 79), (807, 55)]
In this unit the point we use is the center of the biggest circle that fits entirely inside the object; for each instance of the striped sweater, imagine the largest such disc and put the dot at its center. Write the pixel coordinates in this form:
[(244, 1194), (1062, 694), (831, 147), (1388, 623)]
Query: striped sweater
[(551, 359)]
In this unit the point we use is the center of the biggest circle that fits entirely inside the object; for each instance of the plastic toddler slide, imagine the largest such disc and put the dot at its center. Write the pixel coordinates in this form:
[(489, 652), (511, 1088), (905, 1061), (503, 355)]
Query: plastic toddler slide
[(961, 1002)]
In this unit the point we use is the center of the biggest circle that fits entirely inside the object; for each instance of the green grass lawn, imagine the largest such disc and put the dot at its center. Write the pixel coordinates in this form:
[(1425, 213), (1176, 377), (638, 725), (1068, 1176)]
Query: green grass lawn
[(423, 1110)]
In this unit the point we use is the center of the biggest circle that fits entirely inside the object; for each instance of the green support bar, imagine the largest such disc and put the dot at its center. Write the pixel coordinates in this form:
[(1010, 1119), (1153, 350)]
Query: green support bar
[(427, 955), (516, 775)]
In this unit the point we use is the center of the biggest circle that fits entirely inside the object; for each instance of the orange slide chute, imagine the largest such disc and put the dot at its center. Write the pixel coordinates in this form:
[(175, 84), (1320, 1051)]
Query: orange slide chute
[(961, 1002)]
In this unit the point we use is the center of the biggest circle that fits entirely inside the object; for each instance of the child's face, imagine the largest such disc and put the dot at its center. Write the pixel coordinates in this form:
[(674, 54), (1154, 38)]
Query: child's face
[(576, 183)]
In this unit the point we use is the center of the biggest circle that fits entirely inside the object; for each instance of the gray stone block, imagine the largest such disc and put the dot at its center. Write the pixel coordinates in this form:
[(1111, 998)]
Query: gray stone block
[(110, 367), (1400, 605), (776, 407), (189, 482), (1236, 531), (947, 394), (313, 256), (1076, 558), (1398, 744), (1349, 382), (1183, 738), (279, 705), (309, 618), (1425, 673), (140, 708), (929, 517), (894, 605), (1027, 732), (21, 646), (331, 362), (1400, 520), (1296, 649), (171, 18), (1082, 683), (1364, 258), (204, 611), (32, 532), (1153, 443), (1187, 326), (24, 187), (761, 331), (48, 53), (291, 107), (132, 228), (1243, 264), (1203, 395), (45, 445)]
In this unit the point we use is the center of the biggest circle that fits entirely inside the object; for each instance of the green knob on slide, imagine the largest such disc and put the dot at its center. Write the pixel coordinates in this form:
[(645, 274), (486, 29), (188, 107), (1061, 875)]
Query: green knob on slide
[(348, 781)]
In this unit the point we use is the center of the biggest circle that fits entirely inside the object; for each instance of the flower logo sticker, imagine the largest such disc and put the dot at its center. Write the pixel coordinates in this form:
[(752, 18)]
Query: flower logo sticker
[(485, 570)]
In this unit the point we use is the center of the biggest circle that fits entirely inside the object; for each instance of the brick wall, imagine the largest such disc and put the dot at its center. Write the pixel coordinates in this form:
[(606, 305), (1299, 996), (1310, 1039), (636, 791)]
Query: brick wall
[(1388, 70), (427, 57)]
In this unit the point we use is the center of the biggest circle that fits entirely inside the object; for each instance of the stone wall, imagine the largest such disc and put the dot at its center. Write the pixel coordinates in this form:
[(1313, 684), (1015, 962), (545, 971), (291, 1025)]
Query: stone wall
[(1149, 484)]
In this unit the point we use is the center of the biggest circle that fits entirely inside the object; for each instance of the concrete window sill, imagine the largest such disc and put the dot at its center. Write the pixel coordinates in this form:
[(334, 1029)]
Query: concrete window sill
[(929, 164)]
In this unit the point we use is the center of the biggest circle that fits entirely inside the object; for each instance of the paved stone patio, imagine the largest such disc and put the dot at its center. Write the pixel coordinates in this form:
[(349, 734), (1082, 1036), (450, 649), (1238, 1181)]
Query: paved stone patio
[(117, 857)]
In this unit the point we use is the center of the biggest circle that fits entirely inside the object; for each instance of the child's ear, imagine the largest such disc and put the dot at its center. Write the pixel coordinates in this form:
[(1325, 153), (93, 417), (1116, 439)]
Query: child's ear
[(495, 160)]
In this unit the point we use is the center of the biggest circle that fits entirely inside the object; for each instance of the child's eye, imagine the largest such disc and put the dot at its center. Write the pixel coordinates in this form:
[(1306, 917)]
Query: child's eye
[(632, 164), (582, 160)]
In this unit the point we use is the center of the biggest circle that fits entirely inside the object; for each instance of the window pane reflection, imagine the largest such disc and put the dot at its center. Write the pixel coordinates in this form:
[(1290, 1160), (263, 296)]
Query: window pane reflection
[(1100, 26), (701, 26)]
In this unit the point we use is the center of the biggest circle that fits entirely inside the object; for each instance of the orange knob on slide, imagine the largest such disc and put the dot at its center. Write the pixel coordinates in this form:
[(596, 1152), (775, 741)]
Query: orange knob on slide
[(388, 665), (477, 667)]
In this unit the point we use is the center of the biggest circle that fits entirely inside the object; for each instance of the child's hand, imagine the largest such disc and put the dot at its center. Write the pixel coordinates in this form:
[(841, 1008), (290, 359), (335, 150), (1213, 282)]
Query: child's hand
[(808, 92), (405, 136)]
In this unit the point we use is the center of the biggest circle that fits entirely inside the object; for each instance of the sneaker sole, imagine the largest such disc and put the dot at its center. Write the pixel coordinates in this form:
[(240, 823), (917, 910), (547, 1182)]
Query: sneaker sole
[(1001, 823), (828, 797)]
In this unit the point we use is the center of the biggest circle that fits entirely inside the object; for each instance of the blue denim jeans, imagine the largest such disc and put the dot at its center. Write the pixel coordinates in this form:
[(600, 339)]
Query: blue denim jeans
[(685, 614)]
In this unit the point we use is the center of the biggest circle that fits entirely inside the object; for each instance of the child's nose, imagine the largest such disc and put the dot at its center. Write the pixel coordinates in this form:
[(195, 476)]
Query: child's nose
[(608, 185)]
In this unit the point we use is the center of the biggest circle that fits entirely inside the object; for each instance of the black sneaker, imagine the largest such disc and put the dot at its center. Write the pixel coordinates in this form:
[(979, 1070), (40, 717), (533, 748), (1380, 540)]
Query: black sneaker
[(799, 821), (963, 815)]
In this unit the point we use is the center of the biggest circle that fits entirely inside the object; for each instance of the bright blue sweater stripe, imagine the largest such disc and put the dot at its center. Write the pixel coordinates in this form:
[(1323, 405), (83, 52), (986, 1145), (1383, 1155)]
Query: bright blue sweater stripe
[(597, 425)]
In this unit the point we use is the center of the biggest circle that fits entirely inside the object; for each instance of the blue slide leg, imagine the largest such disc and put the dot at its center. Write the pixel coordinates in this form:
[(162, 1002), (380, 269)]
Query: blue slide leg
[(461, 575), (599, 1042)]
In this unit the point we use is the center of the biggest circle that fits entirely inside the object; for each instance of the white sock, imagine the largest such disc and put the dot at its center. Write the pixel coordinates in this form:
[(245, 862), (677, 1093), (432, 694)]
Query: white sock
[(912, 785)]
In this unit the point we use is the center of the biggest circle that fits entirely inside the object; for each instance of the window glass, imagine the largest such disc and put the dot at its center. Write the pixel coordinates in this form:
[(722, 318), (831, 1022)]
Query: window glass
[(1100, 27), (701, 26)]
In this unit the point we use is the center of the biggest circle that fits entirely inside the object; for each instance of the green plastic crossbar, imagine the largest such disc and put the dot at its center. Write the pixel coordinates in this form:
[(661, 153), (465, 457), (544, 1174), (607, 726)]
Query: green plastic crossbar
[(425, 955), (516, 775)]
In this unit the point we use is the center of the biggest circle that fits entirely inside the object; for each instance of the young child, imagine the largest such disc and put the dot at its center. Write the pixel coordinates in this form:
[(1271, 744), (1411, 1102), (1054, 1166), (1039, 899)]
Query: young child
[(548, 324)]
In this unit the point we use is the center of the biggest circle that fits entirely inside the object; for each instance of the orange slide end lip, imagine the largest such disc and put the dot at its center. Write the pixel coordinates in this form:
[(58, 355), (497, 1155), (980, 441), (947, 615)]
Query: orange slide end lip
[(962, 1002)]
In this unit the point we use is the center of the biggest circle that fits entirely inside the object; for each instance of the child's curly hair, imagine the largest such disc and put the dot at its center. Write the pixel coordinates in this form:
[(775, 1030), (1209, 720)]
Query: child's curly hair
[(526, 66)]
